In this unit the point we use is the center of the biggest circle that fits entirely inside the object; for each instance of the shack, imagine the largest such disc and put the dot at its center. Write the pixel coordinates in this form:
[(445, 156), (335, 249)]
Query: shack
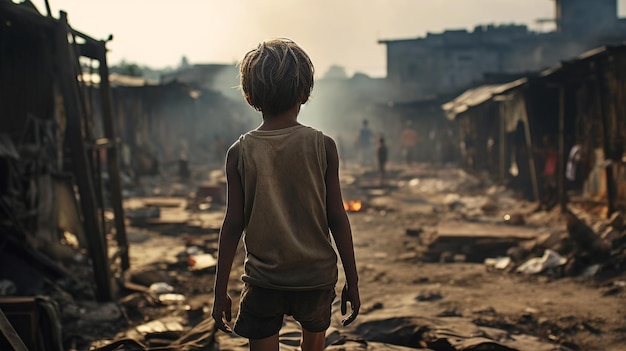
[(55, 152), (575, 107), (478, 118), (591, 125), (159, 125)]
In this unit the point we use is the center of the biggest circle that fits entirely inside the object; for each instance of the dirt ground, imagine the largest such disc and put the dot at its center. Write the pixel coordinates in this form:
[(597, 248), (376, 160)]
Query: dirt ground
[(409, 302), (570, 311), (580, 313)]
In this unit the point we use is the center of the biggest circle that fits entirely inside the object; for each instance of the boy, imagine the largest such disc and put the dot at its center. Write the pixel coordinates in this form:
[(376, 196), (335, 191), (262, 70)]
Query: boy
[(283, 192)]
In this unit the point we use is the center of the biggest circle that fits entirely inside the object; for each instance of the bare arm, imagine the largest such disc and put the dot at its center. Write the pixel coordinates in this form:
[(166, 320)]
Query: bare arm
[(342, 233), (230, 234)]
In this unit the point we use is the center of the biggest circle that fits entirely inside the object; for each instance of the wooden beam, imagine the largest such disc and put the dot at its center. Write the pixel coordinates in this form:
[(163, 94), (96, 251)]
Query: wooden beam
[(502, 146), (532, 169), (65, 57), (11, 335), (611, 189), (560, 182), (113, 159)]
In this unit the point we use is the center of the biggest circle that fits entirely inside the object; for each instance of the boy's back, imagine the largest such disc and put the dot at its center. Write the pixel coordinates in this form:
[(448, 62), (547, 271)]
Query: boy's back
[(285, 220)]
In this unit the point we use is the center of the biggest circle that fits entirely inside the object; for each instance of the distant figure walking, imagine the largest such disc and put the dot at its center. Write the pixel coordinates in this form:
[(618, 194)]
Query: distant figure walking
[(364, 144), (183, 161), (381, 158), (550, 155), (408, 142)]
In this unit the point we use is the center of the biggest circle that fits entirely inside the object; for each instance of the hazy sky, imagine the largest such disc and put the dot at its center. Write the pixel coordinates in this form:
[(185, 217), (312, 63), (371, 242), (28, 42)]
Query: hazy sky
[(158, 33)]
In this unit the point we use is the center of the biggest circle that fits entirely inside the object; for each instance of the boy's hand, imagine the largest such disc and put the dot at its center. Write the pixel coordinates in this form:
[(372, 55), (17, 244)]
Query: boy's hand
[(222, 313), (350, 294)]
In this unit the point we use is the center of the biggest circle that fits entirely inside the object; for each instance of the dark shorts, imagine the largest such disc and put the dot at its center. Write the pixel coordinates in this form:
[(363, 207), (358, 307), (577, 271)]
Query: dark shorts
[(261, 310)]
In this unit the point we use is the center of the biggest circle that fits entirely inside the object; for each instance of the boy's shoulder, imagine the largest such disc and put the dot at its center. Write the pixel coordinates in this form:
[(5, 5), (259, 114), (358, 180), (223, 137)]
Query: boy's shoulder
[(300, 128)]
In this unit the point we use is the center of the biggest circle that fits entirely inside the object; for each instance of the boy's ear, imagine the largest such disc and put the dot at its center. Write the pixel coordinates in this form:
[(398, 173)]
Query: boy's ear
[(304, 98)]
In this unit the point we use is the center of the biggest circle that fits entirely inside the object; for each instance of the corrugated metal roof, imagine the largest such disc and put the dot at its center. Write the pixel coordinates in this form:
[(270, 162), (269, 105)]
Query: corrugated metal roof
[(476, 96), (585, 56)]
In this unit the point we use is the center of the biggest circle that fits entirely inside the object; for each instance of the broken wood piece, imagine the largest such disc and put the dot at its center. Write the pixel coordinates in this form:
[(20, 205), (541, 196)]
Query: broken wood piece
[(477, 241)]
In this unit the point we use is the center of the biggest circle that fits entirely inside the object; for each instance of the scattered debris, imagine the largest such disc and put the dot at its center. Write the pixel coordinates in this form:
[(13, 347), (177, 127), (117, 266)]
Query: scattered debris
[(549, 260), (476, 241)]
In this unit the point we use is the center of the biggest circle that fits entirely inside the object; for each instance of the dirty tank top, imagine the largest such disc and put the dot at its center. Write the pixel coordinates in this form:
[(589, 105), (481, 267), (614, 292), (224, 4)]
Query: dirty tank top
[(286, 234)]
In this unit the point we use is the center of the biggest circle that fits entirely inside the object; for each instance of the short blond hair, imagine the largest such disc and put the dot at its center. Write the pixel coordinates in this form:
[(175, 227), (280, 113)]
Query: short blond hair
[(276, 75)]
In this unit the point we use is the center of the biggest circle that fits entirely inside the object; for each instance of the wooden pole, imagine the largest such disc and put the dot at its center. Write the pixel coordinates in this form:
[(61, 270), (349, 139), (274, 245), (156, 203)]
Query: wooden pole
[(11, 335), (561, 160), (113, 159), (82, 171), (502, 143), (611, 189), (529, 151)]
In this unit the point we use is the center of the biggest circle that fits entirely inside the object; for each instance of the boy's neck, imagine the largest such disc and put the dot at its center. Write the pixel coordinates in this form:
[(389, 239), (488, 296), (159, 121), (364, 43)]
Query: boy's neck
[(283, 120)]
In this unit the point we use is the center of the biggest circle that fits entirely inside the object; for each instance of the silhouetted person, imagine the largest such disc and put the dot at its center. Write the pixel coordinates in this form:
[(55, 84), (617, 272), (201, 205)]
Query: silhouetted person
[(550, 156), (381, 158), (364, 144), (408, 142), (183, 162)]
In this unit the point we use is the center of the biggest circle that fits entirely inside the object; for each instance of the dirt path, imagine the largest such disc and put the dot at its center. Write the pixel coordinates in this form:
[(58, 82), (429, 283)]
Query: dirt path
[(567, 311), (411, 302), (562, 310)]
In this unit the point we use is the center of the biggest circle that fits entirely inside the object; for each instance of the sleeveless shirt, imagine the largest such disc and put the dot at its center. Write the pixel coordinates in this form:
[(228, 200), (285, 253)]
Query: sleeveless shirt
[(286, 234)]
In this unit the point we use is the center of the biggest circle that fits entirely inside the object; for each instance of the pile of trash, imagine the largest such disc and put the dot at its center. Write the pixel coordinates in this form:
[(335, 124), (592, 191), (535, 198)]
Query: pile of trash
[(583, 250)]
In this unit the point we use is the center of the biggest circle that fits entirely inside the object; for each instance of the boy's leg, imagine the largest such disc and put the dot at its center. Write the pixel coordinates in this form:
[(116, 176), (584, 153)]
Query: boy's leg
[(266, 344), (312, 309), (313, 341)]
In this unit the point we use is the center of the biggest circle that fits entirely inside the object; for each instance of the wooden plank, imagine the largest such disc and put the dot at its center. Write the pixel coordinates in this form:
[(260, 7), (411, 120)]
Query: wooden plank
[(460, 229), (113, 159), (11, 335), (472, 242), (82, 171), (170, 202)]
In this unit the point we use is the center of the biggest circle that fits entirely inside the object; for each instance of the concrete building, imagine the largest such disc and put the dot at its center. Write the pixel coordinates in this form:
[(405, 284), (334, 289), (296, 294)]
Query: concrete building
[(453, 60), (580, 17)]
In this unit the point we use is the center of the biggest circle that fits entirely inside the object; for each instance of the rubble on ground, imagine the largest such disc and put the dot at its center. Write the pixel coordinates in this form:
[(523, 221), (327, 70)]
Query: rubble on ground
[(166, 296)]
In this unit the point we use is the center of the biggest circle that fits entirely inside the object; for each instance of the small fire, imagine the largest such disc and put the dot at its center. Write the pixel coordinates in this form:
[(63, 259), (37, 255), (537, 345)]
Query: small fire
[(353, 205)]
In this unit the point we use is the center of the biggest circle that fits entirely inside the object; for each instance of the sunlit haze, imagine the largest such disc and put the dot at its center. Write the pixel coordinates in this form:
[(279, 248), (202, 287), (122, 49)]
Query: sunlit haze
[(159, 33)]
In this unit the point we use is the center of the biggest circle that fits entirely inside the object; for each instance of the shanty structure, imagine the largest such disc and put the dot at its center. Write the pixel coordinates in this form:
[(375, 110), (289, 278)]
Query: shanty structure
[(580, 104), (480, 127), (592, 115), (59, 173), (159, 125)]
